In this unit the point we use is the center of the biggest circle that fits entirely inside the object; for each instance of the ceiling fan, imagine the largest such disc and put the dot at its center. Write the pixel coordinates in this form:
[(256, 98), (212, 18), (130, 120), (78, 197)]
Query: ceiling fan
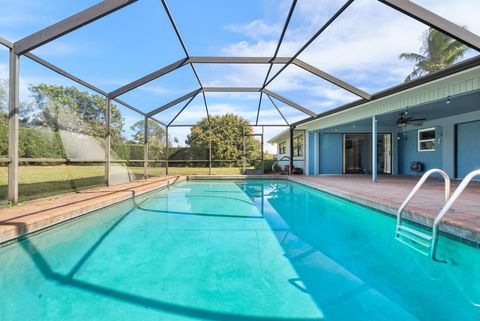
[(402, 121)]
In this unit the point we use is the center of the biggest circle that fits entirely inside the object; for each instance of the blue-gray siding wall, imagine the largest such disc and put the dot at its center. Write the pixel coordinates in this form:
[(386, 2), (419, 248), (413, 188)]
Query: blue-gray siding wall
[(447, 142), (331, 156), (408, 152)]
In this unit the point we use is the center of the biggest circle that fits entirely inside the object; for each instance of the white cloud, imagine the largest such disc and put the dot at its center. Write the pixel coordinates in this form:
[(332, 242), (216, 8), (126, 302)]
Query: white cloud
[(361, 47), (232, 75), (57, 48), (236, 96), (256, 29), (155, 89), (462, 12), (244, 48)]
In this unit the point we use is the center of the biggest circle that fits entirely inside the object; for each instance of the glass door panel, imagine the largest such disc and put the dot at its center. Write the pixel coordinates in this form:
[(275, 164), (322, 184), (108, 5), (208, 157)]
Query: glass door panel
[(357, 153)]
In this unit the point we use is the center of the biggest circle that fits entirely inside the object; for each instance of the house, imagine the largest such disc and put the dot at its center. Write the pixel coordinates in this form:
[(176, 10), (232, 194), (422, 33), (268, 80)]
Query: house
[(282, 141), (431, 122)]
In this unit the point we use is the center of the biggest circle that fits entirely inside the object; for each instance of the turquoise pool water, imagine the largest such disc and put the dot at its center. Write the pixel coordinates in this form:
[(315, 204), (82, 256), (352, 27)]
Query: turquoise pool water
[(234, 250)]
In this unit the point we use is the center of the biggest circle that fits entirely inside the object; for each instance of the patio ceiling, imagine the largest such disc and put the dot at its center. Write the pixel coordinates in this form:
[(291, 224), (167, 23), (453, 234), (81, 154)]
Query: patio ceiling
[(276, 66), (441, 108), (435, 110)]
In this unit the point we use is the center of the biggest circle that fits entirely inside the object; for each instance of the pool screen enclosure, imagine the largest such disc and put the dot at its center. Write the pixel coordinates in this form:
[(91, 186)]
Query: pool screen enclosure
[(24, 47)]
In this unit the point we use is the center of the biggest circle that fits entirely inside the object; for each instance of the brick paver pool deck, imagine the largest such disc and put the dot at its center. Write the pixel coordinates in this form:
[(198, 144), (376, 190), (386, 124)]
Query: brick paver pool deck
[(389, 192)]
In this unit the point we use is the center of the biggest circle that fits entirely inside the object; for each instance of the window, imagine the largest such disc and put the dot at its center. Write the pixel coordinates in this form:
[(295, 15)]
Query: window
[(298, 146), (426, 140), (282, 148)]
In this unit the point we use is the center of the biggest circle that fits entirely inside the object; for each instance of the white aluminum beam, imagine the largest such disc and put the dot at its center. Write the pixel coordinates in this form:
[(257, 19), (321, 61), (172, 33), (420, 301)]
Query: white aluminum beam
[(78, 80), (231, 89), (331, 79), (69, 24), (276, 107), (150, 77), (239, 60), (6, 43), (290, 103), (121, 102), (156, 120), (64, 73), (13, 126), (312, 39), (173, 103)]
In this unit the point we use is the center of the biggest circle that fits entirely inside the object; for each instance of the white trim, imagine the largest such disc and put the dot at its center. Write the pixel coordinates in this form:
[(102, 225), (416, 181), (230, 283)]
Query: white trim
[(426, 140)]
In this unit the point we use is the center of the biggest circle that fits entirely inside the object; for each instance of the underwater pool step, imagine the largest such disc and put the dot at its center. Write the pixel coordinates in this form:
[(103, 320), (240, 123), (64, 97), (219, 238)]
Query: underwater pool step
[(416, 232), (414, 239), (424, 250)]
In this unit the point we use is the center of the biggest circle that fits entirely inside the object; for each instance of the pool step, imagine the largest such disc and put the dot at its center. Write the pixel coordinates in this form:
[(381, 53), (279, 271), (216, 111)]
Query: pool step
[(415, 239)]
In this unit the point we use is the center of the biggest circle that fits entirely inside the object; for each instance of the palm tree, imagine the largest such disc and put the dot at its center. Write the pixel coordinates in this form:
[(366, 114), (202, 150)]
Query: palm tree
[(438, 52)]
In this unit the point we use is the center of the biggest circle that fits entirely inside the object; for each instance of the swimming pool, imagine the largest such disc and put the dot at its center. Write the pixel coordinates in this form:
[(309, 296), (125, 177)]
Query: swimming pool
[(234, 250)]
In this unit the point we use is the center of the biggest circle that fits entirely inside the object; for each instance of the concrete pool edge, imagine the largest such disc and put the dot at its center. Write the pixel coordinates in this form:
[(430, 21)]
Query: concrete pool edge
[(41, 214)]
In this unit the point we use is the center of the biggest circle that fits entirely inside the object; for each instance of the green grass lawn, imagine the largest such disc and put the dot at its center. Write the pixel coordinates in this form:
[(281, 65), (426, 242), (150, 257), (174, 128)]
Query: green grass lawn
[(44, 181)]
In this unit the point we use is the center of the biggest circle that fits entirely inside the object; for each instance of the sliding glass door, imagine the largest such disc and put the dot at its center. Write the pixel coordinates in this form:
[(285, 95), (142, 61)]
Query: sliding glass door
[(357, 153)]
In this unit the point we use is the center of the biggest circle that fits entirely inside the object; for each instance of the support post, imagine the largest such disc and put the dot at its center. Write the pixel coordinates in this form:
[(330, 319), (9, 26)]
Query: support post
[(209, 149), (316, 153), (166, 150), (290, 167), (13, 126), (263, 152), (107, 141), (374, 149), (244, 152), (145, 149)]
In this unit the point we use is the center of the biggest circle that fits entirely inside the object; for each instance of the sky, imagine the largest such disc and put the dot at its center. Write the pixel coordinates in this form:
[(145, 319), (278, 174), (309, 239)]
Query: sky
[(361, 47)]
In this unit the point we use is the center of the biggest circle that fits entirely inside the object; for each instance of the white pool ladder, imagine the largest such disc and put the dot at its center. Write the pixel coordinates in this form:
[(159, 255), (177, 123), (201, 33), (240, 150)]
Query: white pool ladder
[(412, 237), (278, 161), (420, 241)]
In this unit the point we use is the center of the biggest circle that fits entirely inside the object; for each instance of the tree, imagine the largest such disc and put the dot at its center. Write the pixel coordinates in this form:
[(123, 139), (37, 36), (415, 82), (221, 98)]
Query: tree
[(3, 96), (156, 137), (438, 51), (155, 131), (25, 107), (227, 135), (70, 109)]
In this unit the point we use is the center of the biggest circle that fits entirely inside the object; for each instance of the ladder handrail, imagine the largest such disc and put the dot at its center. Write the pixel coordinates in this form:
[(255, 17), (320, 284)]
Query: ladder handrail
[(453, 198), (420, 183), (278, 161)]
